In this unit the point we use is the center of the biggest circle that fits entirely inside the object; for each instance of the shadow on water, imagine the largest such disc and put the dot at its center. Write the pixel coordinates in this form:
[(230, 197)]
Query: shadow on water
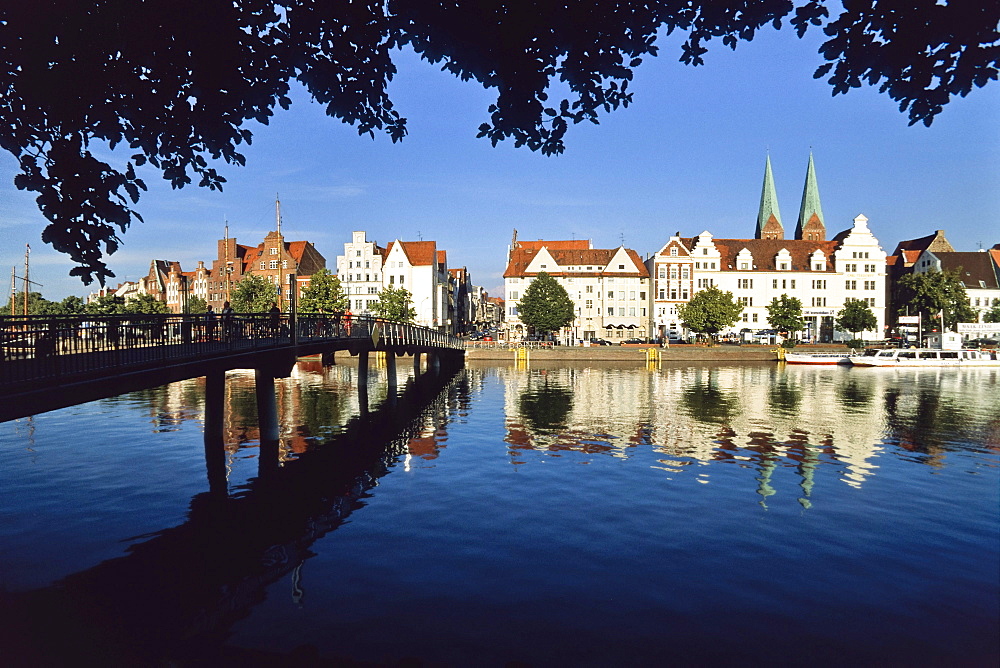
[(174, 597)]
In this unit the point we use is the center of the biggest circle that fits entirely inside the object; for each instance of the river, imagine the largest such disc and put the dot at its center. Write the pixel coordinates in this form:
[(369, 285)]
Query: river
[(557, 514)]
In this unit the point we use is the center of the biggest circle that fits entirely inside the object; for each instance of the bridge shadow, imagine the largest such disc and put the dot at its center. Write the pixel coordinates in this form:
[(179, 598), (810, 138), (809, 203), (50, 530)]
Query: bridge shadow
[(173, 598)]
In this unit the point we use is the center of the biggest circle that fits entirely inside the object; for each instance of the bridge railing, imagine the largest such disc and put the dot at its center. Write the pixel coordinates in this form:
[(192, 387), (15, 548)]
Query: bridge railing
[(36, 348)]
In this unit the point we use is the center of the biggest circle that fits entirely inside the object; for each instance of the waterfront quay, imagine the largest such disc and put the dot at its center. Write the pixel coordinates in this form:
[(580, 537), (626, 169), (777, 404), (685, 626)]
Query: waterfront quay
[(634, 353)]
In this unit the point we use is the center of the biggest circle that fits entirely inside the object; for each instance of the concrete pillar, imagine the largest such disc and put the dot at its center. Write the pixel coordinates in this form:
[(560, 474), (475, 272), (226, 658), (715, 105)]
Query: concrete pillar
[(328, 359), (267, 421), (416, 364), (390, 370), (435, 362), (215, 446), (363, 380)]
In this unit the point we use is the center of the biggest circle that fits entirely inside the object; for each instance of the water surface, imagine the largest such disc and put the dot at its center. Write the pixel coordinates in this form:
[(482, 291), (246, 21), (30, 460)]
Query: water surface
[(557, 515)]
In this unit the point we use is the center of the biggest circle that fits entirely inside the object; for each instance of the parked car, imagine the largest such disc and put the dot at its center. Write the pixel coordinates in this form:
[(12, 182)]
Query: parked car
[(600, 342), (633, 340), (983, 343)]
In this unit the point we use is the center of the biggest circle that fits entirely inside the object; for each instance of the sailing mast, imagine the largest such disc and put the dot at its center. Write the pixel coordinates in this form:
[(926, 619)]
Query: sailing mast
[(226, 267), (281, 246), (27, 282)]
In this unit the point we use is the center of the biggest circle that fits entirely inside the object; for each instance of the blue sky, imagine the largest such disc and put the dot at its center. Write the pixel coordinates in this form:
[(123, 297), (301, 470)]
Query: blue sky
[(688, 155)]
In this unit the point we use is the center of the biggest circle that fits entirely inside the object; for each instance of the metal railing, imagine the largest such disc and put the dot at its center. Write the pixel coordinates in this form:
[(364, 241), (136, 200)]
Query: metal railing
[(48, 347)]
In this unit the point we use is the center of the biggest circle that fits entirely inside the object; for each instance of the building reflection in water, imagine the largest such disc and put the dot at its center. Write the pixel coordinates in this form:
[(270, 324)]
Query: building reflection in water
[(762, 417)]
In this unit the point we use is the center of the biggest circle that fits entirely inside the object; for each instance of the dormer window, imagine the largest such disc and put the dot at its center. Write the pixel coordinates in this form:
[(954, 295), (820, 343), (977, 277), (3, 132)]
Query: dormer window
[(673, 252), (744, 265), (783, 266)]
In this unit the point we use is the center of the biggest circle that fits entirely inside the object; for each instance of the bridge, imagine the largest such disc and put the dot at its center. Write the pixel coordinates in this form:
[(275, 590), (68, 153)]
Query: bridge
[(50, 362)]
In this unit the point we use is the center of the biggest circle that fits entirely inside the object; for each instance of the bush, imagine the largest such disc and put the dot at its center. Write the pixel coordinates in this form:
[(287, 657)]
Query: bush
[(789, 343), (855, 343)]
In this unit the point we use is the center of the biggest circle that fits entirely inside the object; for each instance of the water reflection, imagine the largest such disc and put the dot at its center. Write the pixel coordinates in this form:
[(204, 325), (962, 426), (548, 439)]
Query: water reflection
[(763, 417), (174, 594)]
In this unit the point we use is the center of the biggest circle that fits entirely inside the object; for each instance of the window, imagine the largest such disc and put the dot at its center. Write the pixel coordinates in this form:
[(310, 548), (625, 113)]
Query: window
[(284, 264), (774, 284), (263, 265), (851, 268), (642, 296), (589, 289), (817, 267), (754, 317), (662, 293), (870, 300), (631, 294), (745, 283), (819, 285), (367, 264), (792, 284), (783, 266), (851, 285), (697, 265), (819, 301), (621, 266), (274, 251), (673, 273), (713, 265), (621, 310), (871, 268), (744, 265), (684, 273), (273, 264), (401, 279), (631, 310), (392, 280), (589, 303), (544, 266), (358, 254), (673, 252), (869, 285), (662, 272), (513, 295), (704, 251), (611, 311), (673, 294)]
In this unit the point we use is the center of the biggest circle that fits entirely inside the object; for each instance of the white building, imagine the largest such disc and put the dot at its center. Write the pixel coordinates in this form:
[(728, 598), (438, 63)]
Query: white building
[(821, 274), (977, 270), (610, 288), (360, 271)]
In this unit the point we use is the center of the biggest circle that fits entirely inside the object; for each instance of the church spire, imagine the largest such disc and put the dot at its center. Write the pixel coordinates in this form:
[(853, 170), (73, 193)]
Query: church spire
[(810, 225), (768, 217)]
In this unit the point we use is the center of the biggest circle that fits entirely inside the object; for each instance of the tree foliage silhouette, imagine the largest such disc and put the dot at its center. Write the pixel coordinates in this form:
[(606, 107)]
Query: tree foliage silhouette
[(174, 82)]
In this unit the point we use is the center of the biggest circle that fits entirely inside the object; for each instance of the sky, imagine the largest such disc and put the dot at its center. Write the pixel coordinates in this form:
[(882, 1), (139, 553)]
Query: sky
[(686, 156)]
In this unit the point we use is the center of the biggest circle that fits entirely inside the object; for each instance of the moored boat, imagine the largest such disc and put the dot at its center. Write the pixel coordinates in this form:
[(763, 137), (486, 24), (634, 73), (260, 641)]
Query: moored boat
[(819, 358), (928, 357)]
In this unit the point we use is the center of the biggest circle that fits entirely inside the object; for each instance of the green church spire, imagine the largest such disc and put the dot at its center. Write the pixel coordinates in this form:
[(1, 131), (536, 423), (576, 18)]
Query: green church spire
[(768, 217), (810, 225)]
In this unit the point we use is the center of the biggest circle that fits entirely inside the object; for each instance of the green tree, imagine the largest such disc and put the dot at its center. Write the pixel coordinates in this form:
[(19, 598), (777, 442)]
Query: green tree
[(395, 304), (37, 305), (72, 305), (253, 294), (933, 293), (856, 317), (784, 313), (195, 304), (710, 311), (174, 82), (144, 304), (106, 305), (993, 313), (324, 294), (546, 305)]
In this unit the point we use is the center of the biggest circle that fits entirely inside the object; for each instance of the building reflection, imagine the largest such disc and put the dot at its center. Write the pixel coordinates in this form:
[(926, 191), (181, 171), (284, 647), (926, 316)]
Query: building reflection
[(766, 418)]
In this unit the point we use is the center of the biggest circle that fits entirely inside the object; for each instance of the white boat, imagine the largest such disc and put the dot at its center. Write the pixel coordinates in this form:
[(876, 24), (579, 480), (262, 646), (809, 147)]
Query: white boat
[(904, 358), (818, 358)]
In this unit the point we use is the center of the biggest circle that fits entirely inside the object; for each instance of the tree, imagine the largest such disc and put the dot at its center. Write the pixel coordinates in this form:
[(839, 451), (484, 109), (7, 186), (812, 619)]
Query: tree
[(196, 304), (37, 305), (144, 304), (710, 311), (395, 304), (856, 317), (175, 81), (253, 294), (933, 293), (105, 305), (993, 313), (324, 294), (784, 313), (546, 305)]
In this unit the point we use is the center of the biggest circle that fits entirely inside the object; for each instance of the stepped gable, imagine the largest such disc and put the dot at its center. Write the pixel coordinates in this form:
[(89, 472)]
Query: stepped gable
[(935, 243), (765, 251)]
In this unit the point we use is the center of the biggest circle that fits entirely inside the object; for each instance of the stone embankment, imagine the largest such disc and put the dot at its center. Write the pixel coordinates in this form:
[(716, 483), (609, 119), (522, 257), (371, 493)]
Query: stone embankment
[(637, 353)]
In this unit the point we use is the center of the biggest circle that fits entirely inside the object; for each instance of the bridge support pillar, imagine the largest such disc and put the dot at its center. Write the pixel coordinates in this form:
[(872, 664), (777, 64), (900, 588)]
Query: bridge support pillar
[(215, 446), (328, 359), (363, 380), (434, 362), (390, 370), (267, 420), (416, 364)]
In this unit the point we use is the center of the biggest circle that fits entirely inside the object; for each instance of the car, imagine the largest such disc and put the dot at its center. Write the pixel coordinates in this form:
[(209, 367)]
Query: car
[(983, 343), (600, 342), (632, 340)]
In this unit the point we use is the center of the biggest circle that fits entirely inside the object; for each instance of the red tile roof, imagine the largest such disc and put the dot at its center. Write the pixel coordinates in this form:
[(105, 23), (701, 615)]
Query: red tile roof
[(419, 253), (765, 251), (598, 258)]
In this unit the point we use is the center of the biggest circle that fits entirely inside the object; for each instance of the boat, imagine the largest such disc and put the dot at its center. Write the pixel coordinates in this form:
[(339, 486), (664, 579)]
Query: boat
[(818, 358), (904, 358)]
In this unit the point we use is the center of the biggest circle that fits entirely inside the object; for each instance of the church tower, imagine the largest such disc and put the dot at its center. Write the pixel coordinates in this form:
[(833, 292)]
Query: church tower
[(768, 217), (810, 226)]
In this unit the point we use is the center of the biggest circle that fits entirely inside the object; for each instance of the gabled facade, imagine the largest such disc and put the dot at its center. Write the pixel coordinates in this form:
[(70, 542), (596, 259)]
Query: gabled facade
[(287, 264), (360, 271), (418, 267), (671, 270), (609, 287)]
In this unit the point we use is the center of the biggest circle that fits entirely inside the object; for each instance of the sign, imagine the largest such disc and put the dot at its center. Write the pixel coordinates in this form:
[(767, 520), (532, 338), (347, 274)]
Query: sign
[(908, 320), (817, 311), (978, 327)]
